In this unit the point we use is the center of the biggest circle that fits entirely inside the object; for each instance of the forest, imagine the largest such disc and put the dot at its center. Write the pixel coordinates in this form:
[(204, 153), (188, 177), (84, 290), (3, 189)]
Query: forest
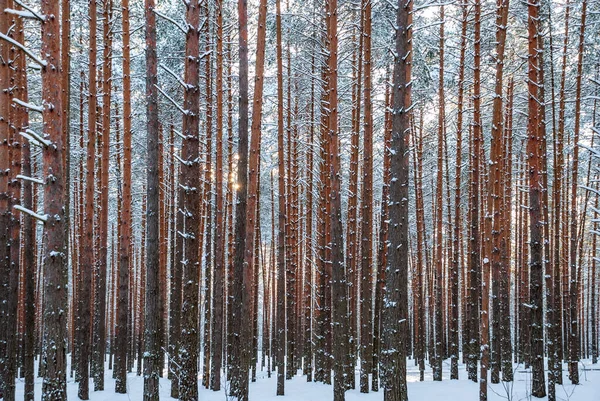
[(285, 200)]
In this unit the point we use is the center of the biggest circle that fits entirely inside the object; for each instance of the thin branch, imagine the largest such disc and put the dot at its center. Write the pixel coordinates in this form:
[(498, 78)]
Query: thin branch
[(22, 14), (32, 179), (41, 217), (20, 46), (174, 75), (29, 106), (31, 139), (31, 10), (182, 29), (186, 112)]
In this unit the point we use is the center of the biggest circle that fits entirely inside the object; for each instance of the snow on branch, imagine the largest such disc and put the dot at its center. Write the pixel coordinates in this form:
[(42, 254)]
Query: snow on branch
[(41, 217), (32, 179), (29, 106), (594, 152), (35, 138), (174, 75), (186, 112), (31, 10), (590, 189), (180, 134), (182, 29), (424, 6), (27, 51), (22, 14), (188, 163)]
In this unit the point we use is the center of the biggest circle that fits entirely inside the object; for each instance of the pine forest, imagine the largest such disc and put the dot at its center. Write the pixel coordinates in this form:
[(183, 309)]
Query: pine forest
[(302, 200)]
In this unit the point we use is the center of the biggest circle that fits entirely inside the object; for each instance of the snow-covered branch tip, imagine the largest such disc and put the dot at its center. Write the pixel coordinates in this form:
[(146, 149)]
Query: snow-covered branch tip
[(35, 138), (31, 179), (27, 51), (174, 75), (594, 152), (30, 106), (166, 17), (23, 14), (41, 217), (31, 10), (188, 163), (181, 109), (179, 134), (590, 189)]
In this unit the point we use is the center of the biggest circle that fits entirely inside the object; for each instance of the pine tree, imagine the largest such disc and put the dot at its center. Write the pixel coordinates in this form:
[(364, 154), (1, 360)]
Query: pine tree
[(54, 385), (152, 363), (395, 300)]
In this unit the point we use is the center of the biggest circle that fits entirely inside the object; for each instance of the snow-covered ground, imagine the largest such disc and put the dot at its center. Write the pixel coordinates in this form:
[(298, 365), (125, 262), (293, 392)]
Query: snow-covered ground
[(298, 389)]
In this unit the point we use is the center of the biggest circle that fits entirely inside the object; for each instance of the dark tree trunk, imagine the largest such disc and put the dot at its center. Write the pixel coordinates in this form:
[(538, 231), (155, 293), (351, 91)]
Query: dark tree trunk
[(395, 300), (534, 161), (281, 262), (152, 362)]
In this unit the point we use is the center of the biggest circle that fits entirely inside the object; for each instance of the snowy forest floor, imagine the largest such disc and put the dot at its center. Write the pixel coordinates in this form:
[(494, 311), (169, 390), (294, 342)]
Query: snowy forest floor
[(298, 389)]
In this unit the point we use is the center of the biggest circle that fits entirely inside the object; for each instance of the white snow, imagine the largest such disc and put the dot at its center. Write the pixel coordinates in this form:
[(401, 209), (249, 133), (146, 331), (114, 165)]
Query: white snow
[(298, 389)]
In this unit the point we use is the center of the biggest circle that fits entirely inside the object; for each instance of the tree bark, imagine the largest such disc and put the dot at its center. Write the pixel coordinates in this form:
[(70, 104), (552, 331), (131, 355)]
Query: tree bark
[(121, 332), (534, 160), (54, 387), (190, 203), (152, 363), (395, 301)]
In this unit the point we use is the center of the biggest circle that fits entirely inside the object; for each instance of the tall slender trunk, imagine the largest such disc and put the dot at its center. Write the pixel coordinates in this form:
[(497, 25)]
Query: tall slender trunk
[(281, 213), (243, 272), (353, 212), (6, 364), (55, 256), (382, 246), (366, 233), (121, 332), (499, 268), (534, 161), (439, 215), (395, 301), (457, 245), (152, 362), (474, 230), (86, 262), (574, 337), (190, 203), (99, 323)]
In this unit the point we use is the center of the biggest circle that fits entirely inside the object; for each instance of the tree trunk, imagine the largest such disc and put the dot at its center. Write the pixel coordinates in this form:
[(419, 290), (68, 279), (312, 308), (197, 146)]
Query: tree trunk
[(86, 261), (366, 281), (121, 332), (574, 337), (190, 203), (456, 266), (281, 262), (439, 215), (152, 362), (534, 161), (54, 387), (395, 301), (99, 322)]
